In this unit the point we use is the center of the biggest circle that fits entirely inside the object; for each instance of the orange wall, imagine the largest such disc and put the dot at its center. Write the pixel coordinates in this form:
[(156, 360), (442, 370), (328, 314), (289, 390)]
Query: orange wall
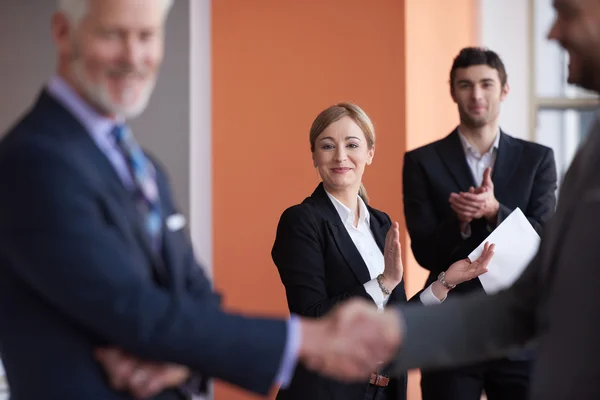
[(436, 30), (276, 65)]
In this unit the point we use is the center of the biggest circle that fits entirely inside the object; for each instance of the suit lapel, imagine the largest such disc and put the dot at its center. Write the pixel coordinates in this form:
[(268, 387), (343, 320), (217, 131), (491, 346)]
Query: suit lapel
[(507, 159), (341, 237), (168, 269), (135, 220), (169, 260), (452, 154), (133, 214), (102, 173), (379, 231), (158, 263)]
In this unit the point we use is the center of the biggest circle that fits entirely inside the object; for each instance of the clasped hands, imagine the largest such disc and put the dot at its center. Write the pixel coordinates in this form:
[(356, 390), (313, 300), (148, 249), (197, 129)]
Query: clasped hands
[(141, 378), (477, 203)]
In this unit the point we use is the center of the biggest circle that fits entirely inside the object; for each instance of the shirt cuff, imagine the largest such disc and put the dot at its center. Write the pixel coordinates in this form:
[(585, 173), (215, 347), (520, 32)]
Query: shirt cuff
[(467, 234), (290, 352), (372, 288), (194, 387), (428, 298)]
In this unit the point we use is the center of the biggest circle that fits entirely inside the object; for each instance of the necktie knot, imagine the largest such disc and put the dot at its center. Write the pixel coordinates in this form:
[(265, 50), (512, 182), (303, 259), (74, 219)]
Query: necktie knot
[(121, 133)]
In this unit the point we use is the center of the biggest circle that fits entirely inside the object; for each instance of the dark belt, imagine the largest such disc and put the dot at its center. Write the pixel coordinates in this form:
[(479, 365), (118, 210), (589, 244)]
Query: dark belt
[(379, 380)]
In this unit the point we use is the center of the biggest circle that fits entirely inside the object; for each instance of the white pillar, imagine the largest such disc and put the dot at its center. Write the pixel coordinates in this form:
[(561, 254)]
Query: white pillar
[(504, 28), (200, 154)]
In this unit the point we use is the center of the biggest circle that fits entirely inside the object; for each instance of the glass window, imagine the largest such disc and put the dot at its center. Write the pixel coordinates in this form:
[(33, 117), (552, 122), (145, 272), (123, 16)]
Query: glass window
[(564, 113), (563, 131)]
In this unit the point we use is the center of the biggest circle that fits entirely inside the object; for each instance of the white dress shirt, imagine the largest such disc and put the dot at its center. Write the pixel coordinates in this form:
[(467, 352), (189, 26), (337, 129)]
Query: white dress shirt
[(363, 239), (479, 162)]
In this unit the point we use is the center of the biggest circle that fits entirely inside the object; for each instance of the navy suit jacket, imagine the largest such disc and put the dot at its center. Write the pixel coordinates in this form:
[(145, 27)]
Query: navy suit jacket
[(77, 272)]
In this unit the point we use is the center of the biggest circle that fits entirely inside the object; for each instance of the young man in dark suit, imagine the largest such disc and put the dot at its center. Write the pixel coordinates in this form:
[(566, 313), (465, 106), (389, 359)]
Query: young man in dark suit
[(458, 190)]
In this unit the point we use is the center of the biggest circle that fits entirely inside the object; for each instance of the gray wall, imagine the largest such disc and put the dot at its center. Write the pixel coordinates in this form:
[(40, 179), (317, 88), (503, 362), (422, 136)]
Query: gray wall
[(27, 55), (28, 59)]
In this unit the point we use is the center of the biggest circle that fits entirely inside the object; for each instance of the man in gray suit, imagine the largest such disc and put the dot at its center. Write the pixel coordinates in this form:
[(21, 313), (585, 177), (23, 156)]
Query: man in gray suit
[(556, 302)]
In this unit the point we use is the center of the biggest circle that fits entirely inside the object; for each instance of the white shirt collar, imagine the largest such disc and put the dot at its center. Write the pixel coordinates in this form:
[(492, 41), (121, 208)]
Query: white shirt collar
[(468, 147), (346, 214)]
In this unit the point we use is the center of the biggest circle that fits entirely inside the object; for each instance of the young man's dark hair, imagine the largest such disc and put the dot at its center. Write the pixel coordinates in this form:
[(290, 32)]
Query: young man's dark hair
[(470, 56)]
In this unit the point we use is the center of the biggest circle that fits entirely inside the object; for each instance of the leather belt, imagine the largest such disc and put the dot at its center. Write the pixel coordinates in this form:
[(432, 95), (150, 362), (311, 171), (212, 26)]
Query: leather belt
[(379, 380)]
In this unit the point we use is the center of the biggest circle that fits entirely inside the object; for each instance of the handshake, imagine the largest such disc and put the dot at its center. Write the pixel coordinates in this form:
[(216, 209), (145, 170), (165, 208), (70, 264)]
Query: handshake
[(351, 342)]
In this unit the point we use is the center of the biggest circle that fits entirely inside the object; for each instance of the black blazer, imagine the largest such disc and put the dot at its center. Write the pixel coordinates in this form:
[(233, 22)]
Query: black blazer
[(524, 176), (320, 266), (77, 272)]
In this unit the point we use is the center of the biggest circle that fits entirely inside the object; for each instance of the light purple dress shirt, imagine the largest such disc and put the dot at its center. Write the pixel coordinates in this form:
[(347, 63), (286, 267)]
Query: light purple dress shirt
[(99, 127)]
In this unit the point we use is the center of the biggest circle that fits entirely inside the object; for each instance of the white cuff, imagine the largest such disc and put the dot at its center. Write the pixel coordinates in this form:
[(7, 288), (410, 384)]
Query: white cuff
[(373, 289), (467, 234), (428, 298)]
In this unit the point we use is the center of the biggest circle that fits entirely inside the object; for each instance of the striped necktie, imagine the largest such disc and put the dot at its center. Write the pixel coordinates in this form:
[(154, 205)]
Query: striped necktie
[(146, 191)]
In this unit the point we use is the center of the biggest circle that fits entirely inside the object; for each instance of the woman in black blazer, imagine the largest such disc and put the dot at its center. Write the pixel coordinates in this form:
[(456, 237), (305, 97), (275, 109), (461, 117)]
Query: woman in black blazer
[(334, 246)]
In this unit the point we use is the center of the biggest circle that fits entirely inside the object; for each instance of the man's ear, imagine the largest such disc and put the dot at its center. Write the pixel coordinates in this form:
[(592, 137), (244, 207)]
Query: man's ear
[(504, 92)]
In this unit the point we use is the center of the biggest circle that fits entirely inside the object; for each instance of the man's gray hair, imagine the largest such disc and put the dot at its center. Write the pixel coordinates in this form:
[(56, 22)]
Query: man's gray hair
[(77, 9)]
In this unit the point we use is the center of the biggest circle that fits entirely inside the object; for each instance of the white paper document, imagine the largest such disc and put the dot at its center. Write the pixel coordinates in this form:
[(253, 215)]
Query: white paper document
[(516, 244)]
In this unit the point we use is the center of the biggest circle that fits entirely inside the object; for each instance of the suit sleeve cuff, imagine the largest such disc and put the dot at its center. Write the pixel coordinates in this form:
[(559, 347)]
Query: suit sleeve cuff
[(290, 353), (428, 298), (196, 385)]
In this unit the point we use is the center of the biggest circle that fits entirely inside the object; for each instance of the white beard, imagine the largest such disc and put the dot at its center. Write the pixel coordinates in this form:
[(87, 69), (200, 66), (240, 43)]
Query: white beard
[(99, 95)]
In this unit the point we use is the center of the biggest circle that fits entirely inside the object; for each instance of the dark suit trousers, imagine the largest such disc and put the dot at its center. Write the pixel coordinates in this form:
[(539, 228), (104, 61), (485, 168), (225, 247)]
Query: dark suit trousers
[(502, 379)]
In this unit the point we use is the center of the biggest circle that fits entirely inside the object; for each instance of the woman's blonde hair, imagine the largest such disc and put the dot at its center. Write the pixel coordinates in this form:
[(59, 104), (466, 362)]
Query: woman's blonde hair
[(335, 113)]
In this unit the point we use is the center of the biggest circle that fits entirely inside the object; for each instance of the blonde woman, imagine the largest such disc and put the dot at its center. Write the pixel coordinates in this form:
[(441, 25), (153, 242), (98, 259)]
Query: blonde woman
[(335, 246)]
